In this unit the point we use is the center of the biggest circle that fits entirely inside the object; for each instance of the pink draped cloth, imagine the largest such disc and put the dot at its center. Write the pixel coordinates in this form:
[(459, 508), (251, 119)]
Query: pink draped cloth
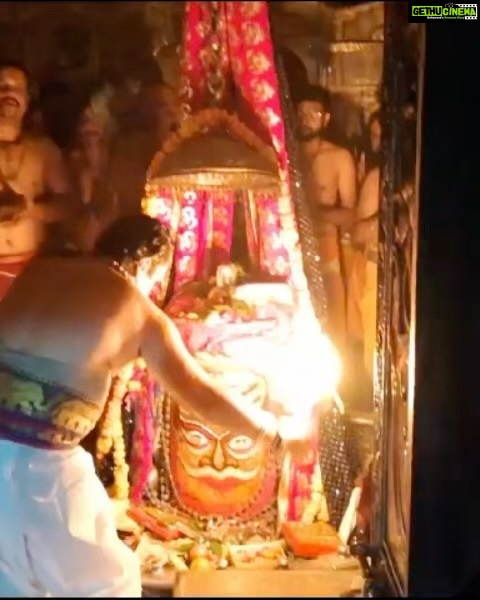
[(248, 62), (200, 337)]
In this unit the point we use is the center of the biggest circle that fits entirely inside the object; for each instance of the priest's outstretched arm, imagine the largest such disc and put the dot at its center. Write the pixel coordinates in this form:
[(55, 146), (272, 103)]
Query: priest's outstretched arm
[(176, 370)]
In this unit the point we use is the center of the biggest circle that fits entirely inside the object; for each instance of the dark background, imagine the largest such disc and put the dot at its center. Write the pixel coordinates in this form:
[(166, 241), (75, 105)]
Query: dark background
[(445, 536)]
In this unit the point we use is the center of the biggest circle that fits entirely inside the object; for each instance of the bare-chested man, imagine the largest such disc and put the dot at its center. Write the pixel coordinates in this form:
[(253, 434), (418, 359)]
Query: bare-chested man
[(362, 298), (66, 327), (135, 148), (330, 186), (32, 172)]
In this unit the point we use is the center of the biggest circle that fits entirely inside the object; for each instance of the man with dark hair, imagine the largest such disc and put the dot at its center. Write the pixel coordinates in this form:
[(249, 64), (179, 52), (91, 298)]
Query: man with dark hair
[(33, 181), (67, 326), (330, 185)]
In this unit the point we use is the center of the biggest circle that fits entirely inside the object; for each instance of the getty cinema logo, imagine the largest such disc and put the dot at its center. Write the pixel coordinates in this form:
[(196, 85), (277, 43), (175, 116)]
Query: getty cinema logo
[(449, 11)]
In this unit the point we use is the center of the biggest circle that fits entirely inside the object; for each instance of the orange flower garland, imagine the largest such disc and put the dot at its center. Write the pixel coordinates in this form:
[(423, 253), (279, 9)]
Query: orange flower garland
[(111, 436)]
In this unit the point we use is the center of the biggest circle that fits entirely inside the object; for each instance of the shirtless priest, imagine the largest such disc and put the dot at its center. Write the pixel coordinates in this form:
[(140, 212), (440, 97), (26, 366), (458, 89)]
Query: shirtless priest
[(35, 194), (66, 327)]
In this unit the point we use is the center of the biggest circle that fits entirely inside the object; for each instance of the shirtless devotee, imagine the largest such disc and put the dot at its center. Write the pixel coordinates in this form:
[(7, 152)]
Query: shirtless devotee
[(362, 301), (370, 157), (88, 161), (330, 187), (156, 114), (33, 181), (67, 325)]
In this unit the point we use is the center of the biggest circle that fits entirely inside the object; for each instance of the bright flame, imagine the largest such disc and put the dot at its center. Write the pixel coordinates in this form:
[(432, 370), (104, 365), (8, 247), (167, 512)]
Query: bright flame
[(299, 363), (315, 369), (314, 365)]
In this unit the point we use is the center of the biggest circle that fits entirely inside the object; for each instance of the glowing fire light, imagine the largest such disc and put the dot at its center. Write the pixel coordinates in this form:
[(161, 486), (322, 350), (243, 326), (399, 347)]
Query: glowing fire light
[(314, 364), (315, 368), (300, 365)]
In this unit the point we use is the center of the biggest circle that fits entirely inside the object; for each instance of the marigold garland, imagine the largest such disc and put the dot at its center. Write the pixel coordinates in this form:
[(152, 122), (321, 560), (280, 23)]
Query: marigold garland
[(111, 436)]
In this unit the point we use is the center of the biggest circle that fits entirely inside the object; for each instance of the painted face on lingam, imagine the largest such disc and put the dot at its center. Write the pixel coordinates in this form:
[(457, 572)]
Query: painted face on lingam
[(216, 472)]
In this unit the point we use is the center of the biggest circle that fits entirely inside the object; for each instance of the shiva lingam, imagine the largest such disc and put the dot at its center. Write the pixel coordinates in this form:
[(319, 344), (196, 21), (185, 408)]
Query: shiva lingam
[(204, 170), (260, 336), (248, 335), (207, 471), (220, 488), (252, 336), (210, 165)]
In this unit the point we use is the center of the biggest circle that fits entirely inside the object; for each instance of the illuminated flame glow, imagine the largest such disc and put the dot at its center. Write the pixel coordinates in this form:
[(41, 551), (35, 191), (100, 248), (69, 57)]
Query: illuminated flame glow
[(154, 206), (315, 363), (301, 373), (300, 365), (315, 369)]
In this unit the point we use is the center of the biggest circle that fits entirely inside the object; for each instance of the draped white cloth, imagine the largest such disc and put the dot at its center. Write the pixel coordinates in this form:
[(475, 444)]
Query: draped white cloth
[(57, 528)]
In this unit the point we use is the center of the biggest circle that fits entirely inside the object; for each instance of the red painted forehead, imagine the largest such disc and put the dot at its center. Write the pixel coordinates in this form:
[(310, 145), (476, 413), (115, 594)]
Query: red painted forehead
[(193, 423)]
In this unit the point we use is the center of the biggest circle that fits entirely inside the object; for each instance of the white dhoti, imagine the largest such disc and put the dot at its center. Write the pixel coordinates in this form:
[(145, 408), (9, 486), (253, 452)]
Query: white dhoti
[(57, 528)]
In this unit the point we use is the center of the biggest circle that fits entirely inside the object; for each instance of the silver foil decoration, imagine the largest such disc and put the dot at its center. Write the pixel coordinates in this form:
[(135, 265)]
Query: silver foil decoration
[(310, 257)]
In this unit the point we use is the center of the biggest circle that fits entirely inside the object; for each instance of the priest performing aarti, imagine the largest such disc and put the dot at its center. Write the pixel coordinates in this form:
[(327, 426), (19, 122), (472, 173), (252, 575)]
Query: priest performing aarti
[(203, 497), (67, 326)]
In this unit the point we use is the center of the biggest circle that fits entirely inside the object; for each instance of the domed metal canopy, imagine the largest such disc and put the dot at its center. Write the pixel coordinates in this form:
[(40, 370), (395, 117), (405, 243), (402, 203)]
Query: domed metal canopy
[(215, 159)]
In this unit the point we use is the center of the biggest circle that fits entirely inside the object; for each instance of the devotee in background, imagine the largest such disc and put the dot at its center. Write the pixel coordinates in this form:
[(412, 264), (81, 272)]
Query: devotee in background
[(329, 176), (89, 152), (347, 123), (151, 116), (362, 297), (89, 158), (124, 103), (157, 104), (67, 326), (34, 187), (370, 157)]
